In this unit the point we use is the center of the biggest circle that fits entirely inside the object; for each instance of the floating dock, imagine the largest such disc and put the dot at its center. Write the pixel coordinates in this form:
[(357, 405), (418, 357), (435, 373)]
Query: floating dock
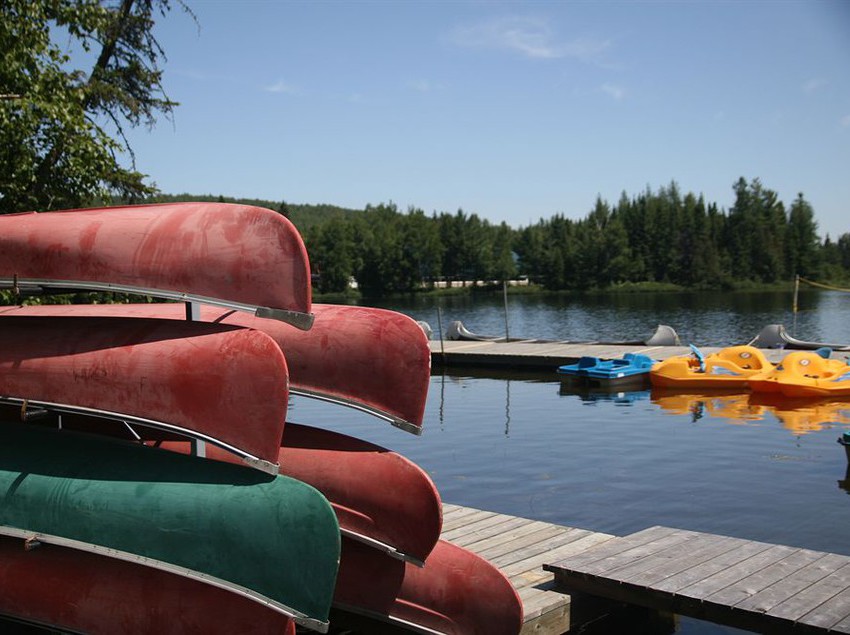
[(537, 356), (742, 583)]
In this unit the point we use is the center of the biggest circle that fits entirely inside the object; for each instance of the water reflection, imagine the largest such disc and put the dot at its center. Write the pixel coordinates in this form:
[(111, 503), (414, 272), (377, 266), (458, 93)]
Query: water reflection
[(845, 482), (590, 394), (490, 374), (798, 416)]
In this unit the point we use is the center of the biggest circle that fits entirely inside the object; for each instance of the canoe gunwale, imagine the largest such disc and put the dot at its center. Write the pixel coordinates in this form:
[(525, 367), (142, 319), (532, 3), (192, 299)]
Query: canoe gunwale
[(389, 619), (383, 547), (32, 538), (356, 405), (248, 459), (37, 286)]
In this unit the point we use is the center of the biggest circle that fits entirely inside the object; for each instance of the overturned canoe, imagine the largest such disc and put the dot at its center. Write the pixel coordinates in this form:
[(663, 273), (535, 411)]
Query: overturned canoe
[(455, 593), (662, 336), (380, 497), (215, 382), (270, 539), (70, 590), (375, 360), (243, 257), (777, 336)]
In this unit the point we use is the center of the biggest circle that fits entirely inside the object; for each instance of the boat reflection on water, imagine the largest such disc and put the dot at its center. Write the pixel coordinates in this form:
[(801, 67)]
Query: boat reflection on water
[(731, 405), (799, 416), (845, 482), (590, 394)]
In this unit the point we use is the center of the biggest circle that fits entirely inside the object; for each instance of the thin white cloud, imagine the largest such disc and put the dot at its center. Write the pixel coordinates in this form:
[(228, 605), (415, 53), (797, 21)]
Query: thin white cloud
[(529, 36), (282, 87), (814, 84), (845, 121), (612, 90), (421, 85)]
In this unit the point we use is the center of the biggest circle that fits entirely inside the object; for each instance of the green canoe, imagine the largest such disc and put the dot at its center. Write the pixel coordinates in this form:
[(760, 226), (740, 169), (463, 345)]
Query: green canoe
[(270, 538)]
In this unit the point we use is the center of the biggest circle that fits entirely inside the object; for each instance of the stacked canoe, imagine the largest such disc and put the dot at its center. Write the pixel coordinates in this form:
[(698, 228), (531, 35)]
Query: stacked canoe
[(147, 466)]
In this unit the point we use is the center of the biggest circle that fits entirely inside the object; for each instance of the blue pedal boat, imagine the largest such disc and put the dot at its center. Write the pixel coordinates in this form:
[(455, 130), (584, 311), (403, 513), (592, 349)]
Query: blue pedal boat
[(632, 368)]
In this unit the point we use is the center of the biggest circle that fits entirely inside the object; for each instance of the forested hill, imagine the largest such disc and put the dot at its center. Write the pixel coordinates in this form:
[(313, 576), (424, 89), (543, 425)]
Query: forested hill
[(664, 237), (302, 216)]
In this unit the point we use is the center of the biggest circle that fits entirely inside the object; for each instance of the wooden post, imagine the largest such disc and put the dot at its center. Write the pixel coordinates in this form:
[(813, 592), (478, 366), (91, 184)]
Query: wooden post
[(505, 290), (440, 330), (794, 304)]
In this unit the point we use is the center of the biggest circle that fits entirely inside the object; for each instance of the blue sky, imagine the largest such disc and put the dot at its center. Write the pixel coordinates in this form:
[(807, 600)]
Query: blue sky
[(512, 110)]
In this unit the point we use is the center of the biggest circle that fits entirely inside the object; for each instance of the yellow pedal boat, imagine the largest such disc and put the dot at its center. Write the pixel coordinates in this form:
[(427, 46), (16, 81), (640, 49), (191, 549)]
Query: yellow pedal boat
[(805, 374), (727, 368)]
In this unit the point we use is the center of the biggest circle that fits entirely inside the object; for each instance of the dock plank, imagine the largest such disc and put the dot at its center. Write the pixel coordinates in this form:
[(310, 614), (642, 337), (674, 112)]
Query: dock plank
[(831, 612), (518, 547), (807, 600), (678, 560), (819, 566), (733, 574), (462, 519), (749, 584), (523, 539), (740, 551), (482, 529)]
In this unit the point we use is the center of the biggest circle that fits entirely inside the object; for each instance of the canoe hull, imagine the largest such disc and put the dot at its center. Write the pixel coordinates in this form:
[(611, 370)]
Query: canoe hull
[(456, 592), (380, 497), (193, 376), (373, 359), (270, 539), (76, 591), (237, 255)]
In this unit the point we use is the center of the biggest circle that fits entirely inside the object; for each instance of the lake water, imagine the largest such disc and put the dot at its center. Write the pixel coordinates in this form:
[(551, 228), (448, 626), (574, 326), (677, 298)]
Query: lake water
[(705, 318), (621, 462)]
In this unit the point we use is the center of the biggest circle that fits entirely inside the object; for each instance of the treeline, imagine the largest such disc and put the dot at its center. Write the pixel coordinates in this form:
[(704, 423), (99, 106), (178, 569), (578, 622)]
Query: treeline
[(303, 216), (662, 237)]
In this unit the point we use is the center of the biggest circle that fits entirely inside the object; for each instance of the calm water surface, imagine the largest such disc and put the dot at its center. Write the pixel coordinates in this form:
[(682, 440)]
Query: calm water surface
[(706, 319), (621, 462)]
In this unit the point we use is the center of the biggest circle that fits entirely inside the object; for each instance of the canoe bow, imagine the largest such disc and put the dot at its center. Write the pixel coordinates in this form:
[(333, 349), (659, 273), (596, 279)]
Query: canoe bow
[(236, 256)]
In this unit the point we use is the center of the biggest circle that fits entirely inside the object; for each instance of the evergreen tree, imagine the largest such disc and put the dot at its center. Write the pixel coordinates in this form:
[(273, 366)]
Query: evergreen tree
[(54, 151), (803, 255)]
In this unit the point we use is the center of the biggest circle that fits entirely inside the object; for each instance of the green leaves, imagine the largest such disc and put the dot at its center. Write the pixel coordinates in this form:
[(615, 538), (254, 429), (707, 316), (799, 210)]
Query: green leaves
[(54, 152)]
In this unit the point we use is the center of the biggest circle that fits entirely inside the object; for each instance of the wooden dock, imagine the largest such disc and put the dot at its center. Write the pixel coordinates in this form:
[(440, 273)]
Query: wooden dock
[(533, 355), (520, 547), (752, 585), (742, 583)]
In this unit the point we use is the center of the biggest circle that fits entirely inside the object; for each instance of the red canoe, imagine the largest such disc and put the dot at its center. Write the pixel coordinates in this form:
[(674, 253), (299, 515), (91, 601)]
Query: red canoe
[(372, 359), (380, 497), (242, 257), (456, 592), (213, 382), (66, 589)]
